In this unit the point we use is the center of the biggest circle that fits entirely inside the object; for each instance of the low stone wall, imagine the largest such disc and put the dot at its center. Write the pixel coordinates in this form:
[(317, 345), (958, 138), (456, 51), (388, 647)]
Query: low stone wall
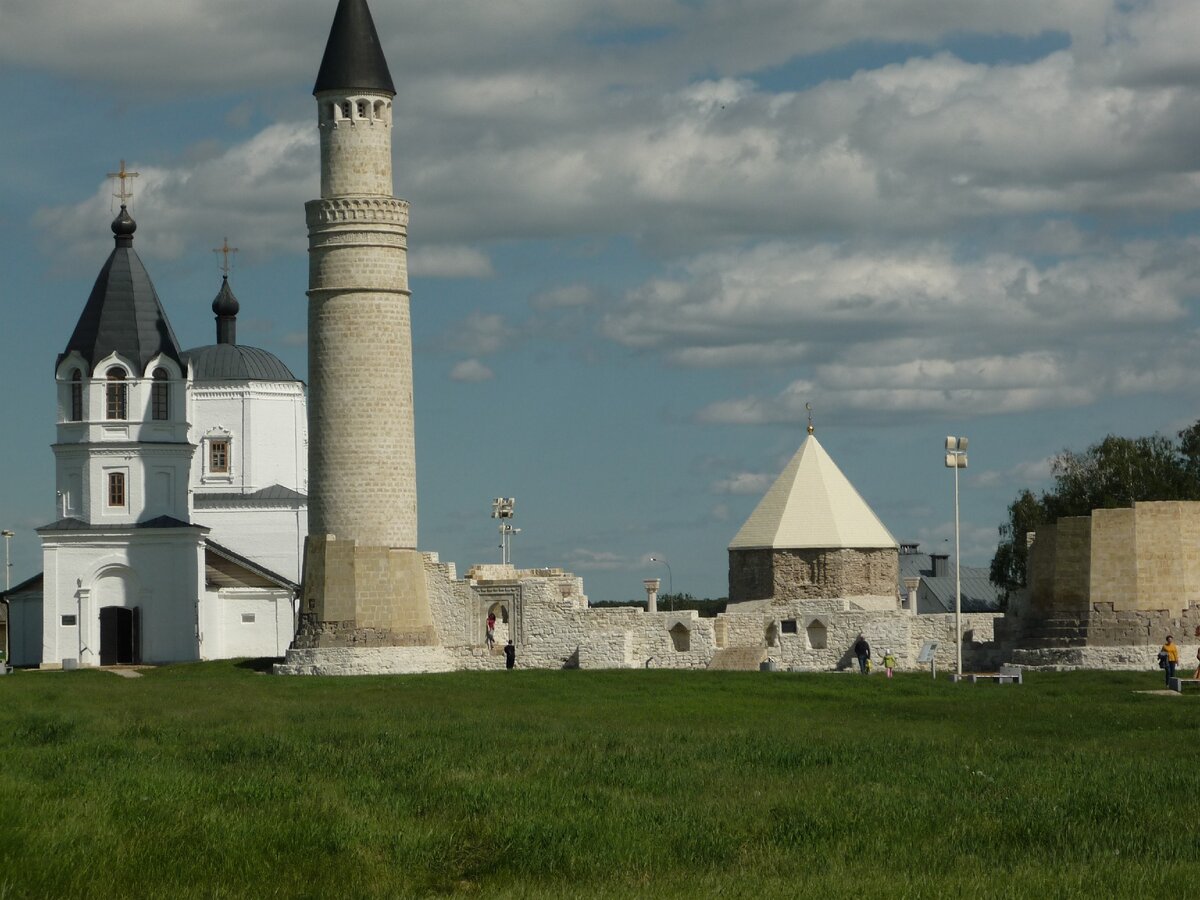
[(552, 626)]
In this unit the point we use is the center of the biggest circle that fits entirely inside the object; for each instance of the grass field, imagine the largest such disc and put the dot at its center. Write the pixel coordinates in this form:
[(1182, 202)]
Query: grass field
[(211, 780)]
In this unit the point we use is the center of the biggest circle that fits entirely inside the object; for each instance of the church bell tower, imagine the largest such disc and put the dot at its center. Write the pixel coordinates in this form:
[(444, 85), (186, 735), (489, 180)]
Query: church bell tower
[(364, 582)]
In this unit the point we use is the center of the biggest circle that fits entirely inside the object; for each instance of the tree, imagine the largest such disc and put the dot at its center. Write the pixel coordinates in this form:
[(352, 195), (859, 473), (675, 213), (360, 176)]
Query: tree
[(1113, 473)]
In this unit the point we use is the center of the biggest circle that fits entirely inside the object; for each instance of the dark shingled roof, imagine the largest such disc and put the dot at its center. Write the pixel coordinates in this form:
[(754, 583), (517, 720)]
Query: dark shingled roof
[(123, 313), (353, 57), (233, 362)]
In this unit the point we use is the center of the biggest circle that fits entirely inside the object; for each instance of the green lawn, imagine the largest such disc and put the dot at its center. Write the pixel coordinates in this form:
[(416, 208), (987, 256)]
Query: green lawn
[(211, 780)]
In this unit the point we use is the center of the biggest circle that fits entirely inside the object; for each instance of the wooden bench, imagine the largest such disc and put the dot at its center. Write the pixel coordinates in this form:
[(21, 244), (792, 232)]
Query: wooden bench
[(1178, 683)]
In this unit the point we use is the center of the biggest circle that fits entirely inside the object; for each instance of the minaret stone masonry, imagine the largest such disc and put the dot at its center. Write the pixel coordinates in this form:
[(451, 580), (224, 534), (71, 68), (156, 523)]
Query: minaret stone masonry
[(362, 455), (364, 581)]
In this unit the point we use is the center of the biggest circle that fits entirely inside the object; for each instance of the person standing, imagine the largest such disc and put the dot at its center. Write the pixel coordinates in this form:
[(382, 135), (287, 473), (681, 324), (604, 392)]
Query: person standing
[(1171, 649), (510, 655), (491, 630), (1196, 676), (862, 650), (889, 662)]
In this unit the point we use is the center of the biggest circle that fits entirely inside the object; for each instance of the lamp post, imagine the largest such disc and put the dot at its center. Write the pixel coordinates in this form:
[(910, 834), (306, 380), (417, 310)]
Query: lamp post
[(670, 579), (956, 458), (8, 536), (503, 508)]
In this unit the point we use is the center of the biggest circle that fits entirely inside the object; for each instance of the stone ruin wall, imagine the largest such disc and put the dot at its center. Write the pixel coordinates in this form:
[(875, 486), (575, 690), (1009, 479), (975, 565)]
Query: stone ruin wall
[(812, 573), (553, 627), (1105, 590)]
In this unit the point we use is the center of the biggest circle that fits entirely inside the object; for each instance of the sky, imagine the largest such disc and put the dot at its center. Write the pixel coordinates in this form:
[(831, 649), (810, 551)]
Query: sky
[(644, 235)]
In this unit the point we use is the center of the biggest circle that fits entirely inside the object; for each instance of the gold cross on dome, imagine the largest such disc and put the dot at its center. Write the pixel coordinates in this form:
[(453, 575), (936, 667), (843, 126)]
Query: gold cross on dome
[(225, 250), (123, 193)]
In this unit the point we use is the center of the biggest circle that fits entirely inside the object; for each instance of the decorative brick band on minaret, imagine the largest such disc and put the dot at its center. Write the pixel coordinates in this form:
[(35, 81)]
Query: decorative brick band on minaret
[(364, 582)]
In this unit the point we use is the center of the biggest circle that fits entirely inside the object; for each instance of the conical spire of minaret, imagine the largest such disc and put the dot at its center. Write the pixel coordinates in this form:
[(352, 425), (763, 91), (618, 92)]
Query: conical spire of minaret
[(353, 57)]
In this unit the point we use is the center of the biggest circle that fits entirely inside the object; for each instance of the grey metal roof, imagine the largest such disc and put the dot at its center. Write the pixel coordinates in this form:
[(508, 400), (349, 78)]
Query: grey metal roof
[(273, 492), (30, 582), (73, 524), (234, 362), (936, 595), (123, 313), (936, 592), (353, 57)]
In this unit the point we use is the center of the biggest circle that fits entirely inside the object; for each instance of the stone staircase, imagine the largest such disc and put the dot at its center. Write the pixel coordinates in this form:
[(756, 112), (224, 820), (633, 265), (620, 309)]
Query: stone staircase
[(738, 659)]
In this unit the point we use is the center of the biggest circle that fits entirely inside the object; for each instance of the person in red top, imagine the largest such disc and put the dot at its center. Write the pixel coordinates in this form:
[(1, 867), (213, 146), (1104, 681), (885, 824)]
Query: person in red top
[(491, 630)]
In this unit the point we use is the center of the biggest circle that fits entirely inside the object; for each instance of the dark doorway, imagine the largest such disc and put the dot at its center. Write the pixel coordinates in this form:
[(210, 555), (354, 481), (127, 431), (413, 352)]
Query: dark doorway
[(118, 636)]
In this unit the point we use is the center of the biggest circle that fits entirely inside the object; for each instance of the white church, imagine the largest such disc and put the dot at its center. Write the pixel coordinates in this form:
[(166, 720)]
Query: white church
[(181, 481)]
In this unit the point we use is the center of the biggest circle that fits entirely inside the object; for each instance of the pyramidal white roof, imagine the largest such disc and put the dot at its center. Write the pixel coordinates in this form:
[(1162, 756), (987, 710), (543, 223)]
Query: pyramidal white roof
[(812, 504)]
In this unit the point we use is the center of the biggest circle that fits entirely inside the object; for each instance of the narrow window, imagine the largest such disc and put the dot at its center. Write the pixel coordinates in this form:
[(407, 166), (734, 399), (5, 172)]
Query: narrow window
[(362, 109), (116, 395), (218, 456), (116, 488), (160, 397), (346, 109), (76, 395)]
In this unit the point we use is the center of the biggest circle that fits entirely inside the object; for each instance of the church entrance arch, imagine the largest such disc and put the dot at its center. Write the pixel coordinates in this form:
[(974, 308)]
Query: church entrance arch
[(115, 592), (119, 637)]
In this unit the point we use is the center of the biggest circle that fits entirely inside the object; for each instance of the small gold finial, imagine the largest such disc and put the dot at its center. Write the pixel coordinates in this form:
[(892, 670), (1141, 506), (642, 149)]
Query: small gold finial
[(225, 250), (808, 406), (123, 193)]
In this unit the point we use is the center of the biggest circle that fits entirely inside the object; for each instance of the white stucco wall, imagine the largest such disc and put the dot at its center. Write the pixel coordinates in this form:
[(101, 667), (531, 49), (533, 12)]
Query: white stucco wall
[(251, 622), (158, 571)]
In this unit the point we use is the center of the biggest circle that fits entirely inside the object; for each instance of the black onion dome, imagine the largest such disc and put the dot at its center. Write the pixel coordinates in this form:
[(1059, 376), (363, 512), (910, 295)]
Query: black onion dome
[(123, 225), (123, 313), (353, 57), (225, 304), (234, 362)]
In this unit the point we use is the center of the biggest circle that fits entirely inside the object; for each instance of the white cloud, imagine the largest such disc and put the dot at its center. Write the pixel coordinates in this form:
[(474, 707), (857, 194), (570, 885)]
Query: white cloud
[(450, 262), (480, 334), (1024, 474), (261, 184), (752, 483), (583, 560), (471, 370)]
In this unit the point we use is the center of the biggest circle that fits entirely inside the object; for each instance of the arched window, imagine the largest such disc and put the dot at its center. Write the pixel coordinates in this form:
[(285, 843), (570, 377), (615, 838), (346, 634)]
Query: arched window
[(76, 395), (345, 109), (362, 109), (160, 397), (681, 639), (379, 110), (116, 395), (818, 635)]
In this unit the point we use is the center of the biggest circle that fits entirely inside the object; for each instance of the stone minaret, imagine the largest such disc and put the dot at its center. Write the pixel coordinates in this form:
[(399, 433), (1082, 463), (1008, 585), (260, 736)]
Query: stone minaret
[(364, 581)]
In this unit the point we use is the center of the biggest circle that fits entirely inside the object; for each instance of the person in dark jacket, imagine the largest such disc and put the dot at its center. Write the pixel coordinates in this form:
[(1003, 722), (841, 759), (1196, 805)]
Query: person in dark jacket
[(862, 650), (510, 655)]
